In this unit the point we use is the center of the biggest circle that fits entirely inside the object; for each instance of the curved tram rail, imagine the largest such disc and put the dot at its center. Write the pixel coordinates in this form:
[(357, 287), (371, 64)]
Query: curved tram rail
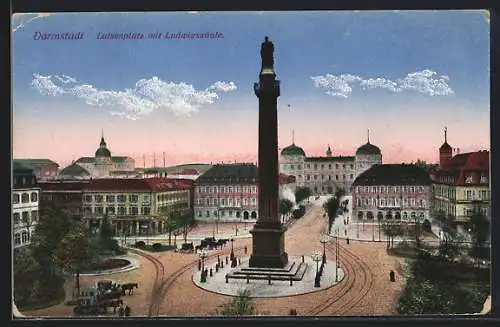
[(358, 281)]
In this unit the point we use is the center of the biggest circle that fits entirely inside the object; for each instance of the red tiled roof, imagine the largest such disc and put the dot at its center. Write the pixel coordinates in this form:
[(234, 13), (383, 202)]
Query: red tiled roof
[(138, 184), (63, 185), (185, 172), (462, 164)]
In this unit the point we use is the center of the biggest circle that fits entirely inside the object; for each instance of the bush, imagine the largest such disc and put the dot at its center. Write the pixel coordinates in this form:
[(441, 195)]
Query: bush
[(140, 244), (157, 247)]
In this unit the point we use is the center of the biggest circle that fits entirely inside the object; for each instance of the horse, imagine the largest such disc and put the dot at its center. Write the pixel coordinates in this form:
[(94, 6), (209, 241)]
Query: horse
[(129, 287)]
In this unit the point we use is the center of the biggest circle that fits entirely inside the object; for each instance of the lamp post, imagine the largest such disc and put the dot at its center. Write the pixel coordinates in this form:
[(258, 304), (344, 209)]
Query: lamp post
[(373, 230), (323, 241), (357, 228), (337, 254), (316, 258), (203, 255), (232, 249)]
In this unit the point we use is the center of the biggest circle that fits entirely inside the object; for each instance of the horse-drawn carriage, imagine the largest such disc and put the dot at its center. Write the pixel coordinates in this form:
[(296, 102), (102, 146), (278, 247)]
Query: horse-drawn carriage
[(106, 294)]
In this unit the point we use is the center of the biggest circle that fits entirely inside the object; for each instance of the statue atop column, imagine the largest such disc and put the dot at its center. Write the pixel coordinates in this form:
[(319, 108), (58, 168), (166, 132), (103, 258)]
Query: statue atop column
[(266, 53)]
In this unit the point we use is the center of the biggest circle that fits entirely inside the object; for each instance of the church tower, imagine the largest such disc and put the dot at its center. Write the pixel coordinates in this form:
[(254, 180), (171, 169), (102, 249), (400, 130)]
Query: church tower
[(329, 151), (445, 151)]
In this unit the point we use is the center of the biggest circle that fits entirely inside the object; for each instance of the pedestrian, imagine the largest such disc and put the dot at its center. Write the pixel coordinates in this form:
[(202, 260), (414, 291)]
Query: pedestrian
[(246, 249), (121, 311)]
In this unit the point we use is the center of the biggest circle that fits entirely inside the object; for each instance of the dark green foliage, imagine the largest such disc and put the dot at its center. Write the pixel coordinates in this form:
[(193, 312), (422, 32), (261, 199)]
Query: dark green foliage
[(302, 193), (331, 206), (140, 244), (38, 281), (157, 247), (434, 286), (241, 305), (285, 206)]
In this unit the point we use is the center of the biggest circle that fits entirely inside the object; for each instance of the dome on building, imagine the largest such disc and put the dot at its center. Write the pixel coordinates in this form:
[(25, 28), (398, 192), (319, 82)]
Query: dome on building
[(103, 150), (293, 150), (369, 149)]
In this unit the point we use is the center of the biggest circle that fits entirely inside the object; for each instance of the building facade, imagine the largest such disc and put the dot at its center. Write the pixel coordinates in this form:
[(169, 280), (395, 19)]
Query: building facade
[(25, 205), (227, 192), (102, 165), (42, 168), (323, 175), (135, 206), (65, 195), (461, 186), (397, 192)]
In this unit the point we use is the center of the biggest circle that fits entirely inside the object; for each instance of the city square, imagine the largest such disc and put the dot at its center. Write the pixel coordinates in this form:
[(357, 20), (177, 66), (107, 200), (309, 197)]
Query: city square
[(243, 222)]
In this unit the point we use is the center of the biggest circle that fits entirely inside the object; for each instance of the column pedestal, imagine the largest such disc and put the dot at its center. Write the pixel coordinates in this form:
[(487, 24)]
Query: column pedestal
[(268, 246)]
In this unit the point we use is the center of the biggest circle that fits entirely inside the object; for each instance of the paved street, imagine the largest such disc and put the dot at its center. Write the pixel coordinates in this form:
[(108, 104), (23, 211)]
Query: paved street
[(366, 290)]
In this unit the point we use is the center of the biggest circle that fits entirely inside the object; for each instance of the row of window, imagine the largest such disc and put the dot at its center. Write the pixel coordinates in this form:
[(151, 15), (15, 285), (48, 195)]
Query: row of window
[(134, 211), (25, 180), (25, 218), (230, 214), (115, 198), (21, 238), (323, 177), (469, 195), (223, 201), (390, 215), (173, 197), (315, 166), (393, 202), (469, 179), (390, 189), (24, 197), (228, 189)]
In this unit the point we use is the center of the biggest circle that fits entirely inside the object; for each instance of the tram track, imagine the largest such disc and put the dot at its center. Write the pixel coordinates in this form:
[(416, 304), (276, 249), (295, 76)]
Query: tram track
[(358, 281)]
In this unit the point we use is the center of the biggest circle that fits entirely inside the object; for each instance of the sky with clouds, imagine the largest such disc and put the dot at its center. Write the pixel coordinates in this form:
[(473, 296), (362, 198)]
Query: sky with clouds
[(402, 75)]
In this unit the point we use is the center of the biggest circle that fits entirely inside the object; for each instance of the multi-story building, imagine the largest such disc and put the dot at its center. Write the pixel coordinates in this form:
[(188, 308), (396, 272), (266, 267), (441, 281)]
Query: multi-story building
[(399, 192), (25, 200), (101, 165), (42, 168), (135, 206), (461, 186), (227, 192), (66, 195), (323, 175)]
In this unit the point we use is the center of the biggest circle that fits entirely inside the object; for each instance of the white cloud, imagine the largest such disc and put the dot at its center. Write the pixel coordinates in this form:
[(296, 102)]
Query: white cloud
[(337, 86), (222, 86), (425, 81), (65, 79), (45, 85), (18, 16), (146, 96)]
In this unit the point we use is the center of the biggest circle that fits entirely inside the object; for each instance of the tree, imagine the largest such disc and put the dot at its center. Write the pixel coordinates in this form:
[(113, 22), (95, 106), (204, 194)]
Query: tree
[(339, 193), (51, 228), (331, 206), (285, 206), (171, 226), (241, 305), (183, 220), (74, 251), (302, 193), (105, 240), (480, 228), (391, 230)]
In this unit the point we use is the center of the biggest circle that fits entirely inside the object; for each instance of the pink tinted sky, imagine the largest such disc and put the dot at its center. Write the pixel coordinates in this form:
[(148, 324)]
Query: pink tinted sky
[(402, 136)]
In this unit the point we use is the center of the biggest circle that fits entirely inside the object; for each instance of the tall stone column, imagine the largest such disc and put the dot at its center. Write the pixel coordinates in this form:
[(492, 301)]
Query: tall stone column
[(136, 227), (268, 234)]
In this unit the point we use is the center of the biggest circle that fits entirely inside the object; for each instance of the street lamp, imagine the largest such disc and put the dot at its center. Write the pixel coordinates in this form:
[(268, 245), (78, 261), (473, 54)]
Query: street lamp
[(323, 241), (232, 249), (373, 229), (357, 228), (203, 255), (337, 249), (316, 258)]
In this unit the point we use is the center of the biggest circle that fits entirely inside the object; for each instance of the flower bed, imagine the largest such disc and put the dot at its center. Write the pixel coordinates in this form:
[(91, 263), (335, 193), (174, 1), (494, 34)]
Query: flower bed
[(107, 264)]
